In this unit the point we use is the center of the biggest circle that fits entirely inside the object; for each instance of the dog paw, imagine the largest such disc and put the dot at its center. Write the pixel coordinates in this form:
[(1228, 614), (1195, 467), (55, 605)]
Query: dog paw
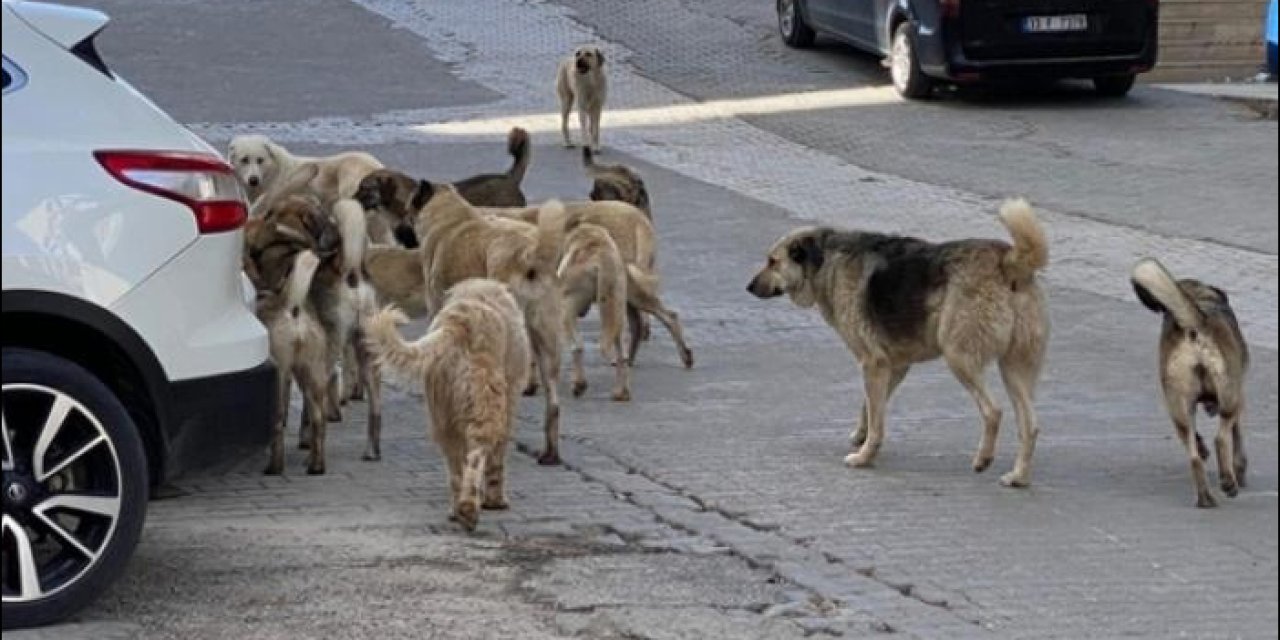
[(686, 356), (315, 470), (273, 469), (980, 463), (858, 460), (1230, 487), (334, 415), (531, 390), (1015, 479), (579, 388), (1205, 501), (467, 515), (371, 457), (857, 438), (622, 395), (304, 444), (495, 504), (550, 458)]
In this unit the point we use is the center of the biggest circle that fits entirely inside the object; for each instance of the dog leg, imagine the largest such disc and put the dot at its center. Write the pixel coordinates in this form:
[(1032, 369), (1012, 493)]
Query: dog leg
[(1184, 423), (546, 353), (969, 373), (454, 454), (639, 328), (584, 125), (306, 430), (333, 413), (495, 477), (649, 302), (315, 388), (372, 379), (876, 380), (1241, 461), (1020, 383), (284, 381), (1223, 443), (622, 374), (566, 106), (576, 349), (859, 436), (473, 474), (596, 111), (531, 387)]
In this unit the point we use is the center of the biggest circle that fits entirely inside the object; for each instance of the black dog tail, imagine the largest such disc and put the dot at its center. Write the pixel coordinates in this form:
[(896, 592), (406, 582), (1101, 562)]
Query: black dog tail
[(520, 149)]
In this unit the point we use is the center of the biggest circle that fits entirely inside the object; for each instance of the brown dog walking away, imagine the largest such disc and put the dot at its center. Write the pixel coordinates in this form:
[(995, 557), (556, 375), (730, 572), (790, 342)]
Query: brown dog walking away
[(472, 363), (896, 301), (1203, 360), (591, 271), (616, 182)]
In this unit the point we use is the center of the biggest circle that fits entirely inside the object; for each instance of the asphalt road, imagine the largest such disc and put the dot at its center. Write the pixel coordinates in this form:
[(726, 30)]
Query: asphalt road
[(716, 504)]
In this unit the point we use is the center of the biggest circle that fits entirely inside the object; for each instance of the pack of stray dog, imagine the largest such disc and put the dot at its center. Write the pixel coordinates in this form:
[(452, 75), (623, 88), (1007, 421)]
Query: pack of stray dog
[(504, 284)]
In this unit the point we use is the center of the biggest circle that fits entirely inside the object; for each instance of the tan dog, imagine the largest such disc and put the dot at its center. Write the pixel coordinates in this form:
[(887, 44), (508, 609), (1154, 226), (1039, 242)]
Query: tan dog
[(391, 197), (581, 80), (259, 163), (633, 234), (298, 350), (1203, 360), (459, 242), (592, 271), (896, 301), (472, 364), (616, 182)]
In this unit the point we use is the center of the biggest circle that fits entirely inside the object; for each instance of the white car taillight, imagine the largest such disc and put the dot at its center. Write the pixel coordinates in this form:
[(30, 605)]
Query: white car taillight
[(203, 182)]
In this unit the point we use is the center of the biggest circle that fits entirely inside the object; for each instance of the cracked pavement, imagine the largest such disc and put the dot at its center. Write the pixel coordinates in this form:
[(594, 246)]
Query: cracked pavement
[(716, 505)]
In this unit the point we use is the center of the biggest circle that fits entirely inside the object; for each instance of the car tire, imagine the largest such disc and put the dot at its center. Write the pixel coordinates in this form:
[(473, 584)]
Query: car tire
[(795, 31), (79, 484), (1114, 86), (904, 67)]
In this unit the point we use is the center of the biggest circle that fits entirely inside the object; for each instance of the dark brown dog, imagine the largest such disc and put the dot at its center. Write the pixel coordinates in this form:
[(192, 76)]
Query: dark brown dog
[(396, 197), (1203, 359), (616, 182)]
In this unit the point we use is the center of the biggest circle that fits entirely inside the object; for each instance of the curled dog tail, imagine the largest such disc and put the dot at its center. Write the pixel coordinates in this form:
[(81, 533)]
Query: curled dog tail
[(1030, 251), (299, 284), (551, 229), (408, 359), (1159, 292), (521, 152)]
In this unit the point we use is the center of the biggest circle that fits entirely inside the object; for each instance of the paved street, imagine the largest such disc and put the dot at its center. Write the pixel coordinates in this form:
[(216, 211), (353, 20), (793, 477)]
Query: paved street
[(716, 503)]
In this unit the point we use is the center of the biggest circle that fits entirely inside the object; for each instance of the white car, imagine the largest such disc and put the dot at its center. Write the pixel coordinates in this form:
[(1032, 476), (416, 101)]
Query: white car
[(130, 350)]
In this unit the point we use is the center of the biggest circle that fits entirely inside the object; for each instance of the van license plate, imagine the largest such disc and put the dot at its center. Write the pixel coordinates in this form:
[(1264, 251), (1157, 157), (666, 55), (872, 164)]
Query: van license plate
[(1055, 24)]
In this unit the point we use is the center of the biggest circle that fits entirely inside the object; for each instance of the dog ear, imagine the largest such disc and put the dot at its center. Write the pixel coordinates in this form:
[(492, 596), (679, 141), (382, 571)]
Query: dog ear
[(421, 195), (231, 152), (275, 151), (1221, 294), (807, 251), (599, 56)]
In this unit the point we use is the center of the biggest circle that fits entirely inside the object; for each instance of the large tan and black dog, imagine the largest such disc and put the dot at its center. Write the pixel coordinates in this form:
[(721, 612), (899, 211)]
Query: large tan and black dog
[(259, 162), (1203, 360), (581, 80), (391, 197), (616, 182), (460, 242), (471, 363), (896, 301)]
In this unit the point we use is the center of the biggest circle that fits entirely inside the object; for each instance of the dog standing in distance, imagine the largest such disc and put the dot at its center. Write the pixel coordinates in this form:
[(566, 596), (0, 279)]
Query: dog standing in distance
[(259, 162), (472, 363), (581, 80), (1203, 360), (896, 301)]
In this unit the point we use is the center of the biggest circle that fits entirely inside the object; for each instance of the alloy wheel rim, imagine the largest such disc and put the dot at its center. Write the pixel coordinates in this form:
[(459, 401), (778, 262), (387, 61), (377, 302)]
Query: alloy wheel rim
[(900, 66), (62, 491)]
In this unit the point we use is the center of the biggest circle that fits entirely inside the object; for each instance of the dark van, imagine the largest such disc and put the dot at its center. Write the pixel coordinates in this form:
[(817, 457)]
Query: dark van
[(970, 41)]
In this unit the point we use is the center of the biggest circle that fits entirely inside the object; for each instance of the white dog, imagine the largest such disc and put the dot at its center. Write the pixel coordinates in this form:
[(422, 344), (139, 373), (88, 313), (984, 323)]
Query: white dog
[(259, 162), (581, 79)]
